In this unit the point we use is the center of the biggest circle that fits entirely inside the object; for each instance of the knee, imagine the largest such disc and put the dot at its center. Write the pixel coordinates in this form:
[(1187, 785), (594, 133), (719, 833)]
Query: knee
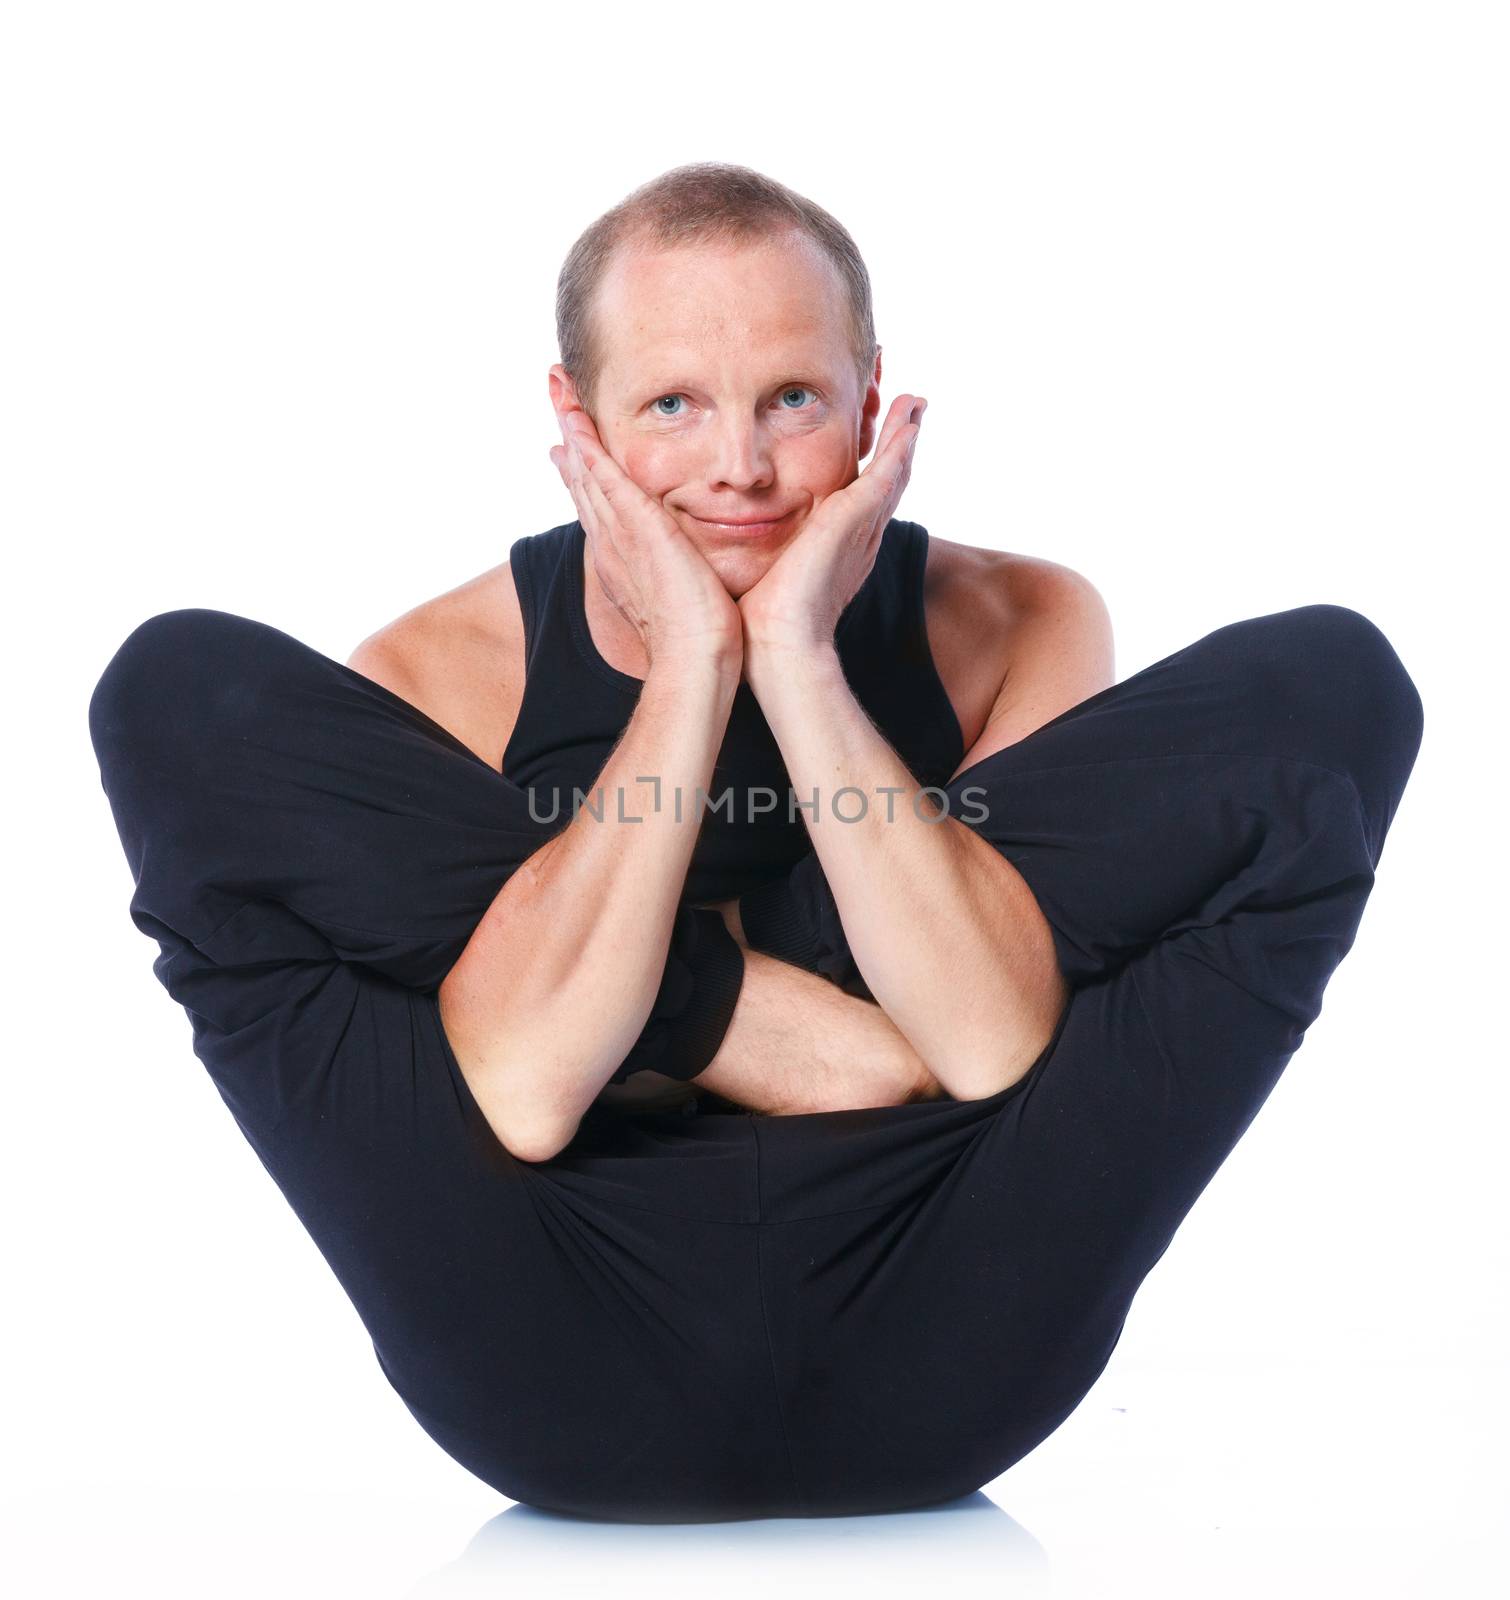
[(157, 657), (132, 700), (1335, 640), (170, 673), (1347, 656), (1343, 696)]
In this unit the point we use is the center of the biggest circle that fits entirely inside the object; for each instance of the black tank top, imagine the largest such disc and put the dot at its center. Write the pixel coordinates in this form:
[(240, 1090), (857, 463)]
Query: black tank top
[(576, 706)]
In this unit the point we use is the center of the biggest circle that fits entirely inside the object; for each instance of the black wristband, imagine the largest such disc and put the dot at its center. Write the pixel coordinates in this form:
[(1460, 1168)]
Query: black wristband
[(778, 922), (704, 971)]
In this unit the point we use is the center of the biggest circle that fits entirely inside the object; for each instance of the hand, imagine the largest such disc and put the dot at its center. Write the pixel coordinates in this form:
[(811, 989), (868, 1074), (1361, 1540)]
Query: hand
[(652, 572), (799, 600)]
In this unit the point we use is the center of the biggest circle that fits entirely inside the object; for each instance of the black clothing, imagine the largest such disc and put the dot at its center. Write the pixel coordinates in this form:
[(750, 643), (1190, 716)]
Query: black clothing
[(691, 1317), (576, 706)]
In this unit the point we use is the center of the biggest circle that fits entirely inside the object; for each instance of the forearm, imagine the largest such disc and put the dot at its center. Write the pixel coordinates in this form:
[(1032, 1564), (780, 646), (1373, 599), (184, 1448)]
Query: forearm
[(560, 975), (943, 929), (796, 1044), (790, 1047)]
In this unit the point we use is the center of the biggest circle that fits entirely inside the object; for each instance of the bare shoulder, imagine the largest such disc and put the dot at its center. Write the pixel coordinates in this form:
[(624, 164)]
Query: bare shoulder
[(1041, 636), (995, 584), (984, 606), (458, 657)]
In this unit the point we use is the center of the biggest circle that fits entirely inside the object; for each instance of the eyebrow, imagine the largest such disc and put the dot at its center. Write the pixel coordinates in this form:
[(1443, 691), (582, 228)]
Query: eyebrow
[(663, 385)]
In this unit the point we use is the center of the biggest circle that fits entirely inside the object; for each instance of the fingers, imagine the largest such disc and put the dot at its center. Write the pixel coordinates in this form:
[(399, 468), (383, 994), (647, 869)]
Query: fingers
[(601, 476), (905, 439), (609, 502), (582, 436), (884, 479), (905, 409), (579, 424), (594, 509), (597, 496), (573, 474)]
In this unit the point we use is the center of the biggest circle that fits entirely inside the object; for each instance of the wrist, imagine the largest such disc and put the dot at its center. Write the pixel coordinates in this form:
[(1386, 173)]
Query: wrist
[(699, 660), (788, 662)]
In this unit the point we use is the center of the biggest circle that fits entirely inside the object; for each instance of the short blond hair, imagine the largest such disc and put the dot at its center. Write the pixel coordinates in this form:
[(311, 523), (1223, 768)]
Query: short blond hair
[(704, 202)]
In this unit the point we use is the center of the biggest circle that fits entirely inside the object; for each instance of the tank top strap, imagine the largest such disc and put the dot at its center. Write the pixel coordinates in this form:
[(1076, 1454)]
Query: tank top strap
[(528, 559), (882, 640), (944, 738)]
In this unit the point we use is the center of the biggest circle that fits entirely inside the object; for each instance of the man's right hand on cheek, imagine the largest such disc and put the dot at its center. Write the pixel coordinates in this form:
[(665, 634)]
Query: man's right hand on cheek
[(653, 574)]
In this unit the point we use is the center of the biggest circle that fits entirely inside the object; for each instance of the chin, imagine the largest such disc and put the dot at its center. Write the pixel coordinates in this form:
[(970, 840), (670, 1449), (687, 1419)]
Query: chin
[(740, 569)]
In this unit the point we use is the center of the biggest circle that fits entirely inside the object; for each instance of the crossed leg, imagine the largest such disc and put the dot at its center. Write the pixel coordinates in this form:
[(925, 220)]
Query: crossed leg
[(311, 854), (1202, 838)]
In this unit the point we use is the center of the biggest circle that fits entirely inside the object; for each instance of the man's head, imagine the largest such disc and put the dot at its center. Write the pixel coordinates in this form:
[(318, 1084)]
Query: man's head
[(717, 329)]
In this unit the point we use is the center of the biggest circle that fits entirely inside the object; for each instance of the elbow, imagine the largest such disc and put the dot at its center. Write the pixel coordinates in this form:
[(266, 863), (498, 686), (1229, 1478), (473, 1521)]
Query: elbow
[(528, 1130), (534, 1145), (1011, 1056), (500, 1089), (525, 1131)]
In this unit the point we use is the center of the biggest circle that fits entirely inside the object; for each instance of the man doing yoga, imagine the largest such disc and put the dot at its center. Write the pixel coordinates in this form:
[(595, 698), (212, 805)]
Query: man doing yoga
[(1011, 966), (720, 384)]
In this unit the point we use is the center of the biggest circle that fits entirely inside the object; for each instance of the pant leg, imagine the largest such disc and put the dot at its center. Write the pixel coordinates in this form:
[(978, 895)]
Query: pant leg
[(259, 786), (1157, 814), (311, 854), (1151, 803), (1203, 838)]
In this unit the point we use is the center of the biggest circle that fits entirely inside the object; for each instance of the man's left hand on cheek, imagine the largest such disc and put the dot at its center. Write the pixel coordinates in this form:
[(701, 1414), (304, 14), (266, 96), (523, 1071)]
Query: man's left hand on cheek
[(798, 602)]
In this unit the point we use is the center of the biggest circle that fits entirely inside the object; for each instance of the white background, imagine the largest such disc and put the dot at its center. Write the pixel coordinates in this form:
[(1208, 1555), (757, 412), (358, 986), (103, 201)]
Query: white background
[(1209, 302)]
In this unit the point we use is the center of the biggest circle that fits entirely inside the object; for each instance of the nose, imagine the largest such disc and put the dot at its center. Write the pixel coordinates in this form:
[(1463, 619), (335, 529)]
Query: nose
[(741, 454)]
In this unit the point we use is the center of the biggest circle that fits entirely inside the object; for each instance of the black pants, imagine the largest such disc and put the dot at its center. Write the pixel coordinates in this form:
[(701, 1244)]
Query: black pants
[(689, 1317)]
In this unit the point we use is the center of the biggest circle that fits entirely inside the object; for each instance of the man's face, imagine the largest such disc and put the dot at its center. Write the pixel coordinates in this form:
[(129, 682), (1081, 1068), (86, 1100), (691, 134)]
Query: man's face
[(728, 391)]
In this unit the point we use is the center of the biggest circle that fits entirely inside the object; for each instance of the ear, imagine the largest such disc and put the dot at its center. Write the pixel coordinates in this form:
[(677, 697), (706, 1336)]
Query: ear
[(563, 391), (870, 411)]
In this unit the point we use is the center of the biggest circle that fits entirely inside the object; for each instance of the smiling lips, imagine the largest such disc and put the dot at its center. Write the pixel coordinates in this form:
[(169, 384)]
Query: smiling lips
[(744, 529)]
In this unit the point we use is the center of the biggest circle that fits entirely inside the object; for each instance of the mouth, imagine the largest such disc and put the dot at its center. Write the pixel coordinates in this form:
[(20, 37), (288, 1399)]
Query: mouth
[(747, 530)]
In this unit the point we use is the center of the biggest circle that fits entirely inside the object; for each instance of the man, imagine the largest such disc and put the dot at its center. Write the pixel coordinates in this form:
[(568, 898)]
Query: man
[(726, 530), (400, 978)]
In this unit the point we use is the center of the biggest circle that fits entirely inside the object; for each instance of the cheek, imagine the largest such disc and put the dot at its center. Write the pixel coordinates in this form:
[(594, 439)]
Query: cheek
[(656, 465), (822, 461)]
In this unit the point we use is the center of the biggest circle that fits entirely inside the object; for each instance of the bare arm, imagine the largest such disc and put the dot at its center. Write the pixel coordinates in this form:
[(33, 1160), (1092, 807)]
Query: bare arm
[(944, 930), (560, 975), (796, 1043)]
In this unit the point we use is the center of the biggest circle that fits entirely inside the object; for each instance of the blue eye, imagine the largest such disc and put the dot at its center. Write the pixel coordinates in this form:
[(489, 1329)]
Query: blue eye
[(796, 388)]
